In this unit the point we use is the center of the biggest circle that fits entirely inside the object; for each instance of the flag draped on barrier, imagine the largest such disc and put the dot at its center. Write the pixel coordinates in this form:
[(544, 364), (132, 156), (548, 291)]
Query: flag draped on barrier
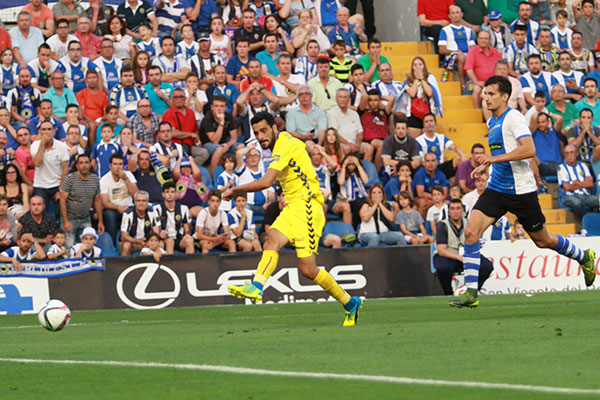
[(51, 269)]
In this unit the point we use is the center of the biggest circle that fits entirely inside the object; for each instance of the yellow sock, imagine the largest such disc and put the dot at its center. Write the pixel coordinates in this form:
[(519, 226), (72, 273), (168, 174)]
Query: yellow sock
[(266, 266), (326, 281)]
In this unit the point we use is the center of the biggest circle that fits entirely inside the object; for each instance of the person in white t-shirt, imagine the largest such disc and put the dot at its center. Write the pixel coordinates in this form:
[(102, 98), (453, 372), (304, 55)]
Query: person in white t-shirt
[(434, 213), (212, 226), (117, 189), (86, 248), (153, 247)]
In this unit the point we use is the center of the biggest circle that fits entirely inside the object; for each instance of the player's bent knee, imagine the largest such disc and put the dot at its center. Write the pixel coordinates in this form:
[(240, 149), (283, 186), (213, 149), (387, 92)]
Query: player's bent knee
[(308, 268)]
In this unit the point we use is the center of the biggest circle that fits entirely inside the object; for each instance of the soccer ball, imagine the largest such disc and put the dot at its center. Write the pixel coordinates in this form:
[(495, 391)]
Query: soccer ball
[(54, 316), (460, 290)]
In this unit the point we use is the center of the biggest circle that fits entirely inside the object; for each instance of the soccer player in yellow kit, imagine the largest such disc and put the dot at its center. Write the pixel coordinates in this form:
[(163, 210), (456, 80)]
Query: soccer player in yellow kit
[(301, 221)]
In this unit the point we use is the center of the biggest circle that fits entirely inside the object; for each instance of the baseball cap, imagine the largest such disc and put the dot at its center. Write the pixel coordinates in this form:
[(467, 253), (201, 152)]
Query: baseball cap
[(89, 231), (494, 14), (185, 162), (204, 36)]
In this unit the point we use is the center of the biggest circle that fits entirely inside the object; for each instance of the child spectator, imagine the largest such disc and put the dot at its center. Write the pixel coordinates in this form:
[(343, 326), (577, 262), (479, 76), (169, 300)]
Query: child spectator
[(153, 247), (191, 191), (23, 251), (58, 251), (194, 97), (340, 65), (227, 179), (149, 44), (212, 226), (242, 226), (517, 52), (434, 213), (86, 248), (188, 47), (411, 221), (402, 182), (102, 152), (72, 115), (561, 34), (454, 191), (174, 220), (519, 231)]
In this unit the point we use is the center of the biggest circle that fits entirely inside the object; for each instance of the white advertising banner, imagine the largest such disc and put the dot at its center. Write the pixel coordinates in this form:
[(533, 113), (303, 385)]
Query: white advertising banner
[(521, 267), (23, 295)]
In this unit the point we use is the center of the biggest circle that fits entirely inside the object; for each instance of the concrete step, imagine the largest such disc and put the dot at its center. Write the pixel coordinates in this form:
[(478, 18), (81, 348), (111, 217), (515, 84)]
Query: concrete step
[(402, 61), (465, 143), (545, 201), (555, 215), (562, 229), (395, 48), (449, 89), (461, 116), (460, 130), (458, 102)]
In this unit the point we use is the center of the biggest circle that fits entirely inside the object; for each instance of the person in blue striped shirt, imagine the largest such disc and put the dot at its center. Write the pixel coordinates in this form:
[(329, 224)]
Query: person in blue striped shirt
[(576, 181), (23, 251), (242, 225)]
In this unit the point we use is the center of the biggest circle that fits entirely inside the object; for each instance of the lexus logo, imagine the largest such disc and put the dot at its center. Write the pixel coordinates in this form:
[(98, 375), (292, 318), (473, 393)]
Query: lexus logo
[(140, 292)]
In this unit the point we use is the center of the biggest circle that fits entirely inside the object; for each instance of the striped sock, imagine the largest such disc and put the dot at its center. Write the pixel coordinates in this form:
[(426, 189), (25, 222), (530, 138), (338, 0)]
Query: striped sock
[(565, 247), (471, 261)]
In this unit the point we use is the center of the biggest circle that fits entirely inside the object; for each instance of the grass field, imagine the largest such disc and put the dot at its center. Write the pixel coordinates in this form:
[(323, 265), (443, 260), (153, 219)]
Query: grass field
[(547, 340)]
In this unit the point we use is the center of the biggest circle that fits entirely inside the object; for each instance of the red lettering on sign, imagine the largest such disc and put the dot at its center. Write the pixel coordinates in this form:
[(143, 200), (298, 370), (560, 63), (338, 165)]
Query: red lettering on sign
[(520, 257), (543, 271), (503, 264)]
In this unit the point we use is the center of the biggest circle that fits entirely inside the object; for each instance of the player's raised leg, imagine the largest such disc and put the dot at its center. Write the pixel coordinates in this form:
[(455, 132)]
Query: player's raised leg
[(477, 224)]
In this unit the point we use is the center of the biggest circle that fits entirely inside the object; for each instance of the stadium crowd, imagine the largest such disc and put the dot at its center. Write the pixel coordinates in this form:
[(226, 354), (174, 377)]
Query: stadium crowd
[(120, 128)]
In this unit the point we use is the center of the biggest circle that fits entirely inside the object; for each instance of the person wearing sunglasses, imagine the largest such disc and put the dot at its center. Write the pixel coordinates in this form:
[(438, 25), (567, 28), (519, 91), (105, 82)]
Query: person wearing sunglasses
[(324, 86)]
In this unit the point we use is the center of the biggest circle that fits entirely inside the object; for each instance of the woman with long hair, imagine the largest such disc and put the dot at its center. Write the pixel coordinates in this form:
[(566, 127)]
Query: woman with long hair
[(291, 9), (273, 25), (15, 190), (420, 95), (8, 70), (141, 67), (333, 146), (124, 46), (377, 217), (352, 179)]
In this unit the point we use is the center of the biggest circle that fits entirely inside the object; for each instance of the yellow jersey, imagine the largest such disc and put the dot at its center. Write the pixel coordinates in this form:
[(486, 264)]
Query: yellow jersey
[(297, 176)]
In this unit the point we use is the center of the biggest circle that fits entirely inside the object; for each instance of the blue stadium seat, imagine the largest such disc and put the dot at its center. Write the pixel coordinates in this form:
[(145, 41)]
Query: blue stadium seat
[(218, 171), (428, 228), (550, 179), (591, 223), (206, 178), (371, 170), (332, 217)]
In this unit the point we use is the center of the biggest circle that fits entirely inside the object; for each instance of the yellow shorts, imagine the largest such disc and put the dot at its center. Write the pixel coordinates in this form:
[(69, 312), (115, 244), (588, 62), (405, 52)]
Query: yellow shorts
[(302, 223)]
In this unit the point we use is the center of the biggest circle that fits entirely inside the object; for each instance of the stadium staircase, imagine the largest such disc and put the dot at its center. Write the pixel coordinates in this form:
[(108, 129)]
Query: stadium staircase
[(462, 122)]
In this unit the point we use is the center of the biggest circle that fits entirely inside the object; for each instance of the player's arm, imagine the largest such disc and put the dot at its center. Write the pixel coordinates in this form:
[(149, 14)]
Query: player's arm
[(256, 186), (526, 149)]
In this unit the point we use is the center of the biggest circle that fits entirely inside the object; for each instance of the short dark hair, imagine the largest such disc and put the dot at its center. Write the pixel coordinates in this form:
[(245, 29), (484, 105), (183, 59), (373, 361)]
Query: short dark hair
[(503, 83), (590, 79), (58, 231), (91, 72), (587, 1), (428, 115), (169, 185), (477, 146), (152, 234), (562, 13), (242, 40), (165, 123), (576, 33), (153, 67), (586, 110), (263, 116), (284, 56), (46, 101), (220, 97), (61, 21), (532, 56), (457, 201), (356, 67), (520, 27), (44, 46), (373, 92), (437, 188), (248, 9), (212, 193), (166, 38), (145, 25), (544, 114), (322, 60), (271, 34), (339, 42), (240, 194), (527, 4), (117, 156), (71, 42), (540, 94), (71, 106), (400, 121), (373, 40), (126, 68)]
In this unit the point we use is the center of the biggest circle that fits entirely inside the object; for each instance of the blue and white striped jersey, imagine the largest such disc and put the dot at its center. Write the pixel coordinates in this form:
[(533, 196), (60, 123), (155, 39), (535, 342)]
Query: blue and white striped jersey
[(457, 37), (532, 83), (570, 173), (559, 77), (512, 177), (15, 253), (435, 145)]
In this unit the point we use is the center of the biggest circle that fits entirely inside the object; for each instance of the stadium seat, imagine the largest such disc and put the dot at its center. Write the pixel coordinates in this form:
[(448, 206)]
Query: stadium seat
[(371, 170), (591, 223), (550, 179), (206, 178), (218, 170)]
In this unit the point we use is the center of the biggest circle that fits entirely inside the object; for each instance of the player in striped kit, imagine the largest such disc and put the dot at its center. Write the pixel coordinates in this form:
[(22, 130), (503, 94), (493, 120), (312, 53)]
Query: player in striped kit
[(511, 187)]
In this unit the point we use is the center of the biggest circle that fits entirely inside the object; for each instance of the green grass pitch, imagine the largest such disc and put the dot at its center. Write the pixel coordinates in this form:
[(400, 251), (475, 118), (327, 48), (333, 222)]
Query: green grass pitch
[(546, 340)]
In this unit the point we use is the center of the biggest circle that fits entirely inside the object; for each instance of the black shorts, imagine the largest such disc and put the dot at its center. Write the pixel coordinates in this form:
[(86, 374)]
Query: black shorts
[(525, 206), (448, 168), (414, 122)]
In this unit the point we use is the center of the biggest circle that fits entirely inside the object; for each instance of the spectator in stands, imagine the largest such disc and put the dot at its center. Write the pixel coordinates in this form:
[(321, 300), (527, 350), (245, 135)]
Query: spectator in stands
[(24, 100), (42, 68), (9, 72), (51, 160), (195, 97), (218, 132), (500, 34), (307, 65), (255, 75), (411, 222), (547, 140), (191, 191), (99, 15), (8, 225), (420, 95), (273, 25), (23, 251), (205, 62), (470, 199), (123, 43), (347, 124), (170, 16), (42, 17), (433, 16), (333, 147), (388, 87), (455, 41), (426, 178), (290, 11), (74, 67), (59, 42), (188, 47), (73, 143), (92, 103), (588, 23), (87, 249), (450, 239), (475, 13), (237, 66), (590, 99), (570, 80), (153, 247), (575, 180), (255, 99), (372, 60), (438, 210), (324, 86), (401, 181), (548, 51), (518, 51), (147, 179), (565, 109), (524, 19), (269, 56), (517, 98), (536, 80), (79, 192), (375, 123), (358, 89), (432, 142), (173, 219), (305, 32), (250, 31), (340, 64), (111, 118), (201, 15), (136, 13), (37, 222), (307, 122), (108, 64), (126, 94), (212, 226), (400, 147), (46, 113), (242, 225), (539, 105), (14, 190), (224, 88), (376, 220), (286, 84), (174, 66), (583, 58), (59, 95), (158, 92), (116, 191), (144, 123), (464, 170), (480, 64), (561, 33), (148, 42), (248, 169), (25, 39), (585, 137), (352, 35), (137, 224), (90, 43), (23, 155), (352, 179), (68, 10), (166, 150), (8, 129)]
